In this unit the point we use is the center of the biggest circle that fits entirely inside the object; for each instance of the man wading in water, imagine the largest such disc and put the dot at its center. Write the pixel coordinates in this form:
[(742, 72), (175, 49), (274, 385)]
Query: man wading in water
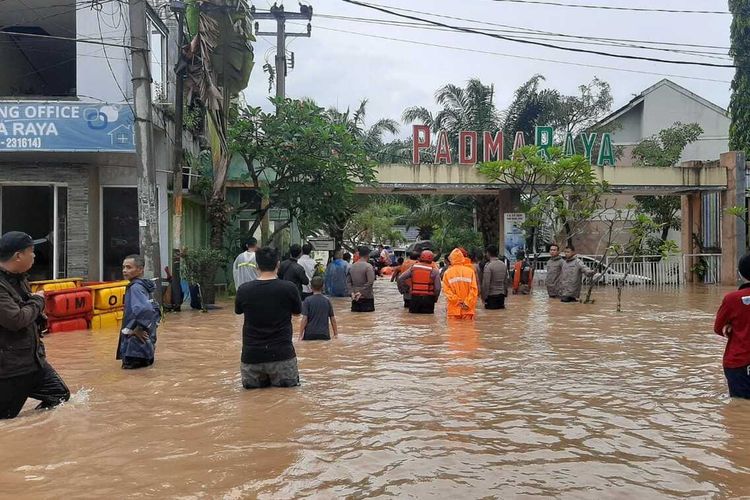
[(733, 322), (24, 371), (268, 303), (360, 280), (140, 317)]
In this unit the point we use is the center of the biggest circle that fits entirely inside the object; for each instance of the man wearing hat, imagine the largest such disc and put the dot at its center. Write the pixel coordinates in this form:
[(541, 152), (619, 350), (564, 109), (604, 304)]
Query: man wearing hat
[(24, 371), (733, 322), (425, 284)]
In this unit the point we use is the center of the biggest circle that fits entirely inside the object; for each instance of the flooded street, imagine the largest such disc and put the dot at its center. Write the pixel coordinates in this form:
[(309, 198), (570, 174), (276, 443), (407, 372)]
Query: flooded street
[(542, 399)]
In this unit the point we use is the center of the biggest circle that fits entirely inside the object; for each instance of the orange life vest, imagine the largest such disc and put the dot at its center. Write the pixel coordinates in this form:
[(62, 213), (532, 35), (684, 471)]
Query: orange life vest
[(523, 274), (421, 280)]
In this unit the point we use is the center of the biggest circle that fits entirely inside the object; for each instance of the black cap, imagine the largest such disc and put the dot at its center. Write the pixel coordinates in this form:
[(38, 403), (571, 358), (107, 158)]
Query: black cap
[(744, 267), (15, 241)]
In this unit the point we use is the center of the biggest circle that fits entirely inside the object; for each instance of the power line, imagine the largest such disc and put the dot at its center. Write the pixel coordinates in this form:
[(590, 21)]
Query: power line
[(70, 39), (567, 35), (609, 7), (515, 56), (541, 44), (522, 34)]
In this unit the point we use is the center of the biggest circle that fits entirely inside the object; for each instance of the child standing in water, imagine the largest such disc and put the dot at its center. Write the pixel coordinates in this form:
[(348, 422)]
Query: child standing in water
[(733, 322), (317, 310)]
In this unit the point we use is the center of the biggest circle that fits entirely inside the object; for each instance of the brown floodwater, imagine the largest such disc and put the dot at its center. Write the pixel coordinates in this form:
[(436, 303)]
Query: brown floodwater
[(542, 399)]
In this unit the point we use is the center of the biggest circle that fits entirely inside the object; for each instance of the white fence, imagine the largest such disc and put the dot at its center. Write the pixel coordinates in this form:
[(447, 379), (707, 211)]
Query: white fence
[(707, 265), (651, 270)]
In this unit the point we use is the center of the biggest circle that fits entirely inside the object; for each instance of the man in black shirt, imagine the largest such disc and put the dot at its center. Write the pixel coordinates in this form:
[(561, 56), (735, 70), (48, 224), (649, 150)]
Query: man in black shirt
[(268, 303), (290, 270)]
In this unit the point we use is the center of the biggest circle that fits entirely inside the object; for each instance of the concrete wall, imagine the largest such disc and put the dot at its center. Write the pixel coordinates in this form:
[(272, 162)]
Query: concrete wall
[(428, 178)]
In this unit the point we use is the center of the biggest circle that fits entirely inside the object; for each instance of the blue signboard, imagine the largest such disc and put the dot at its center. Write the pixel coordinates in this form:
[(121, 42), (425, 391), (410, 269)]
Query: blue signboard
[(66, 126)]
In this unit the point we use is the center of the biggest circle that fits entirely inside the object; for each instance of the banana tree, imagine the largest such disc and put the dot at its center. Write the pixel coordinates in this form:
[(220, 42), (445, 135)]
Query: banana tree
[(220, 58)]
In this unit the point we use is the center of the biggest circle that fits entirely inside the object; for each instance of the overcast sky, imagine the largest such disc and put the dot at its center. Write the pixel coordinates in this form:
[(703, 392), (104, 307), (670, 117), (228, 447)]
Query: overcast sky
[(340, 69)]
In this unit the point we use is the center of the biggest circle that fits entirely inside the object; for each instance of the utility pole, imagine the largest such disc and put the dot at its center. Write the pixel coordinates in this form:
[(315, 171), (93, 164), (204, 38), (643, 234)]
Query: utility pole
[(177, 153), (148, 215), (280, 15)]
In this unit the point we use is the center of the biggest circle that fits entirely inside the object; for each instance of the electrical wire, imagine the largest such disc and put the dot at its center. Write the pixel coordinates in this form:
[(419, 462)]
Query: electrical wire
[(610, 7), (109, 65), (566, 35), (515, 56), (541, 44), (524, 35), (91, 41)]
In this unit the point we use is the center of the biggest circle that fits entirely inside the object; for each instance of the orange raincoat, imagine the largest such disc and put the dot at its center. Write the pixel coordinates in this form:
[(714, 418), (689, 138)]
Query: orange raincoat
[(460, 286)]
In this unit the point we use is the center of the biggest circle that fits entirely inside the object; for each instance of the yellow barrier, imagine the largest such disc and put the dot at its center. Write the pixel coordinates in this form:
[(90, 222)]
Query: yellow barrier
[(106, 320), (109, 296), (58, 284)]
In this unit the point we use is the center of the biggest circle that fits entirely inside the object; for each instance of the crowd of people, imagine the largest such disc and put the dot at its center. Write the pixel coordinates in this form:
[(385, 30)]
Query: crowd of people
[(270, 292)]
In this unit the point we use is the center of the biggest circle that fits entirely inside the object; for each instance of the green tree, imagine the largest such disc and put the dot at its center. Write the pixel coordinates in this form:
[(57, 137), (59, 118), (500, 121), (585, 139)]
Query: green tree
[(301, 161), (576, 113), (664, 150), (547, 186), (739, 104), (375, 223)]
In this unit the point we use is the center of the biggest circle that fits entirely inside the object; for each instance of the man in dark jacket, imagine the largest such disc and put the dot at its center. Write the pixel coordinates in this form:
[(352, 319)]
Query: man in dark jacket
[(494, 284), (359, 282), (140, 317), (291, 270), (24, 371), (554, 271)]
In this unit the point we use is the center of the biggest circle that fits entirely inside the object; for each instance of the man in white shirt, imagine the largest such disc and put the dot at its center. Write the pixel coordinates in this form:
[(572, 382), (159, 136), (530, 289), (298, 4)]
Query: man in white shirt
[(245, 268), (308, 263)]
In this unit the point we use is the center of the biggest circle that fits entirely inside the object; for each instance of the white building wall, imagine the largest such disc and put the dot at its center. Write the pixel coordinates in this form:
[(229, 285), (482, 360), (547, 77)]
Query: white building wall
[(665, 106), (628, 127), (103, 73)]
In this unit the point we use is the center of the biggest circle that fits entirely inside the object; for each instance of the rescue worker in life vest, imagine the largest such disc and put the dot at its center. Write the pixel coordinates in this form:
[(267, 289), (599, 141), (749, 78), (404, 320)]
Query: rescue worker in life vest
[(523, 275), (425, 284), (24, 371)]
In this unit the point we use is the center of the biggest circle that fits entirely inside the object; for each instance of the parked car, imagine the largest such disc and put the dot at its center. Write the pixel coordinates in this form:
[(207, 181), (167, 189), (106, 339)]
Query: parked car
[(611, 276)]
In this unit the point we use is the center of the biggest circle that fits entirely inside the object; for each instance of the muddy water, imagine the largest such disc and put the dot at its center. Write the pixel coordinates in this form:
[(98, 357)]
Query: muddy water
[(542, 399)]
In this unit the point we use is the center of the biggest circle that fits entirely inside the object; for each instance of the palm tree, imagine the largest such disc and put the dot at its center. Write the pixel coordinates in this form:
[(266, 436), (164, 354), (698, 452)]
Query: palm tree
[(430, 214), (372, 137), (530, 107), (468, 108)]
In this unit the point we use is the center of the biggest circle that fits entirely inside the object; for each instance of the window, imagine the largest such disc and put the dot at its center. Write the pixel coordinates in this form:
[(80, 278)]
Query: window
[(158, 52), (250, 198), (33, 65), (48, 220)]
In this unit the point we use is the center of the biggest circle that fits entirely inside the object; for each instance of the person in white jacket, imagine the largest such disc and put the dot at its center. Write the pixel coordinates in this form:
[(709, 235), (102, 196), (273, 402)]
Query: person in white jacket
[(245, 267)]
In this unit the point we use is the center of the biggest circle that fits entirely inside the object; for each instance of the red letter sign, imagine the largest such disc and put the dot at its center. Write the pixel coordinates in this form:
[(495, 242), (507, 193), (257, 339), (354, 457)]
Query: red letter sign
[(493, 146), (419, 141), (463, 159), (443, 152)]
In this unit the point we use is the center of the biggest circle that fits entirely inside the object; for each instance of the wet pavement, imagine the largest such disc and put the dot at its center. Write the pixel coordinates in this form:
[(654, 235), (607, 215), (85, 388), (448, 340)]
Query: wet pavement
[(542, 399)]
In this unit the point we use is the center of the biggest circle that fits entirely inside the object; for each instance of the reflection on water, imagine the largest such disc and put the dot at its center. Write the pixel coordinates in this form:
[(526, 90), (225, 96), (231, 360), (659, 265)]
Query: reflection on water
[(541, 399)]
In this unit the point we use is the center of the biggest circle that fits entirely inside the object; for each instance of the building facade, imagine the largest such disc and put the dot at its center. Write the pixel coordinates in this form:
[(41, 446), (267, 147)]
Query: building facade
[(67, 146)]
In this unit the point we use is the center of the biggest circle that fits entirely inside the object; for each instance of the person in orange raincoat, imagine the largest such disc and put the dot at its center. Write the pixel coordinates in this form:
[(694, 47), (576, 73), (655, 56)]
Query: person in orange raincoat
[(460, 287)]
